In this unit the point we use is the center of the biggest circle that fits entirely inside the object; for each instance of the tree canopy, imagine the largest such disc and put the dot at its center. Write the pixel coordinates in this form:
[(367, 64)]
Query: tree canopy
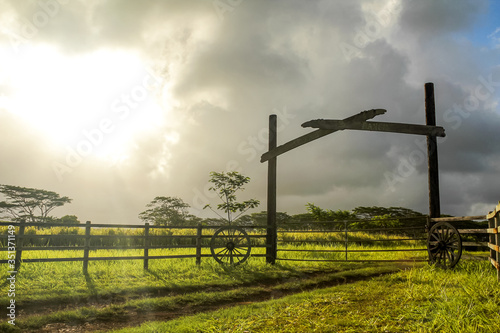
[(226, 185), (167, 211), (370, 212), (31, 204)]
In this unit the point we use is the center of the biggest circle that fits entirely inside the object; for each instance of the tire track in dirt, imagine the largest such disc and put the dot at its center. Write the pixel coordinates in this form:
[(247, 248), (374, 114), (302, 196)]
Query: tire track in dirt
[(269, 290)]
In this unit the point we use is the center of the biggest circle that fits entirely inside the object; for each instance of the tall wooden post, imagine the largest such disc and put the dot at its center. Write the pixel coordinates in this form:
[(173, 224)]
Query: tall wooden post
[(199, 233), (146, 246), (86, 248), (19, 248), (271, 239), (432, 153)]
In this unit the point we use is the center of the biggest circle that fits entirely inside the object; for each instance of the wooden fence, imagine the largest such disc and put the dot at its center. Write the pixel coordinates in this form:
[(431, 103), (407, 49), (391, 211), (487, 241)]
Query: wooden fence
[(494, 243), (198, 240), (475, 231)]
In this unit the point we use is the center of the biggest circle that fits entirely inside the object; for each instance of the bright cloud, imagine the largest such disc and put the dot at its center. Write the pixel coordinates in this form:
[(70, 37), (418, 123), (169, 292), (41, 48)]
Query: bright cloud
[(134, 99)]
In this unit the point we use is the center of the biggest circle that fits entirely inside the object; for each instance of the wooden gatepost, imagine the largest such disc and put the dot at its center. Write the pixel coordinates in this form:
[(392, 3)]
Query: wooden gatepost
[(356, 122)]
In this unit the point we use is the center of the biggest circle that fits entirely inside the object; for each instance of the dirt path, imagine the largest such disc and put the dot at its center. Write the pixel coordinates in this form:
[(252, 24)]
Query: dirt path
[(131, 318)]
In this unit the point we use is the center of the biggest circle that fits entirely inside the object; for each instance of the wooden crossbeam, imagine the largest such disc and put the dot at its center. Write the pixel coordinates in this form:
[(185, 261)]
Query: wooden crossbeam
[(458, 218), (338, 125), (302, 140)]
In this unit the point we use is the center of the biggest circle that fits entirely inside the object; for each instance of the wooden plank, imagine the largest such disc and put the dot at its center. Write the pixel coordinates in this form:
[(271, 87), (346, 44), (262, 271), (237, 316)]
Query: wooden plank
[(302, 140), (493, 230), (473, 231), (481, 244), (51, 236), (494, 212), (339, 125), (111, 258), (51, 248), (494, 247), (458, 218), (495, 263)]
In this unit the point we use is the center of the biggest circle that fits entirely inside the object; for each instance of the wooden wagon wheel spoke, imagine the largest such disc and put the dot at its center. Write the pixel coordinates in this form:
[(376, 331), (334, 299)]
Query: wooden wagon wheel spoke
[(235, 245), (444, 245), (221, 252)]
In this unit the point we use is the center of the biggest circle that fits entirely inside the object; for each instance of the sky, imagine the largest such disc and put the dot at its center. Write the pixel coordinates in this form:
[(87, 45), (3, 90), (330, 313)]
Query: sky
[(113, 103)]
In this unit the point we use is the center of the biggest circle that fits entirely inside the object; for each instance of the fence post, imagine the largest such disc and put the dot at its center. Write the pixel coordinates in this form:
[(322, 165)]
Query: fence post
[(346, 240), (87, 248), (199, 233), (271, 239), (432, 153), (19, 247), (146, 246)]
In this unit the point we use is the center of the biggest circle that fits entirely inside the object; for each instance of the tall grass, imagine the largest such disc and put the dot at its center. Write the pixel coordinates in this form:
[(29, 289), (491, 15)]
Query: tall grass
[(424, 299)]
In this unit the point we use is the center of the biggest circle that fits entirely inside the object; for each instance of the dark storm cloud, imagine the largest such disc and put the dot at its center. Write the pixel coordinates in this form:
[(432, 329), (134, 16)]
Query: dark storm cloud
[(432, 18)]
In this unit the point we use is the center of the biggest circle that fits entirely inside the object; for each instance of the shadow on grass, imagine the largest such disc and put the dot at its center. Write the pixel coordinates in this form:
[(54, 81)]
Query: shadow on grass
[(90, 285), (155, 275)]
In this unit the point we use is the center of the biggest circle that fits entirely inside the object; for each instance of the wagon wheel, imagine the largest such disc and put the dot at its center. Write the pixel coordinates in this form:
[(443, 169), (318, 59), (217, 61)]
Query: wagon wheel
[(230, 245), (444, 245)]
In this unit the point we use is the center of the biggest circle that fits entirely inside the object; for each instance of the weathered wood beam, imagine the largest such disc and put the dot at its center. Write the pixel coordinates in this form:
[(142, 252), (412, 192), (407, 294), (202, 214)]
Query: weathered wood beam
[(432, 153), (458, 218), (360, 117), (339, 125)]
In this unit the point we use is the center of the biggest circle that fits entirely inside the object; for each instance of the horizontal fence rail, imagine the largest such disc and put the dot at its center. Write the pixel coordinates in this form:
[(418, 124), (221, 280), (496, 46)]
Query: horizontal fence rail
[(17, 241)]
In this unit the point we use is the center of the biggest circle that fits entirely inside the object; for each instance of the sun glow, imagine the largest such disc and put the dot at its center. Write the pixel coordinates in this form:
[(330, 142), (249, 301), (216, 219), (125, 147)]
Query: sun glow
[(104, 98)]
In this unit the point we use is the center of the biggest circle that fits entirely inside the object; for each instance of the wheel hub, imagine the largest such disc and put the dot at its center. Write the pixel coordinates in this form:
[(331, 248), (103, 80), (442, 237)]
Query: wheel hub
[(442, 245), (230, 246)]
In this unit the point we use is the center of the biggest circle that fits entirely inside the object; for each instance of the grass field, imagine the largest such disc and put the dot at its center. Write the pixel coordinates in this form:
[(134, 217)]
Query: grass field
[(422, 299), (260, 297)]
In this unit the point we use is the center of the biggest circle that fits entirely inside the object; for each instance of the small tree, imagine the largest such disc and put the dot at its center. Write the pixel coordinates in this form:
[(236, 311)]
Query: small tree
[(166, 211), (31, 204), (226, 185)]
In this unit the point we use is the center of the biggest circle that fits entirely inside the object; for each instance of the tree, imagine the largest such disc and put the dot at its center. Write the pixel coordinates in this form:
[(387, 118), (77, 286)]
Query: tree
[(226, 185), (320, 214), (328, 215), (166, 211), (69, 219), (371, 212), (260, 218), (31, 204)]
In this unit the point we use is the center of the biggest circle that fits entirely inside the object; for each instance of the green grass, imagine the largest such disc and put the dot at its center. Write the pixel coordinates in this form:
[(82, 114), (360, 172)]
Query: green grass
[(129, 308), (425, 299)]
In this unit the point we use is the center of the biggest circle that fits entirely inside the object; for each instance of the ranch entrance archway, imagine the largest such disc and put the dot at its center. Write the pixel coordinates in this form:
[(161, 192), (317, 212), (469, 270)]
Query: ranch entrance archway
[(356, 122)]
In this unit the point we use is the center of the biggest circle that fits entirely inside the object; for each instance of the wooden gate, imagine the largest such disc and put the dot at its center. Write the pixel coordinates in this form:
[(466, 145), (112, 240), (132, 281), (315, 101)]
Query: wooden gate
[(401, 239), (357, 122)]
